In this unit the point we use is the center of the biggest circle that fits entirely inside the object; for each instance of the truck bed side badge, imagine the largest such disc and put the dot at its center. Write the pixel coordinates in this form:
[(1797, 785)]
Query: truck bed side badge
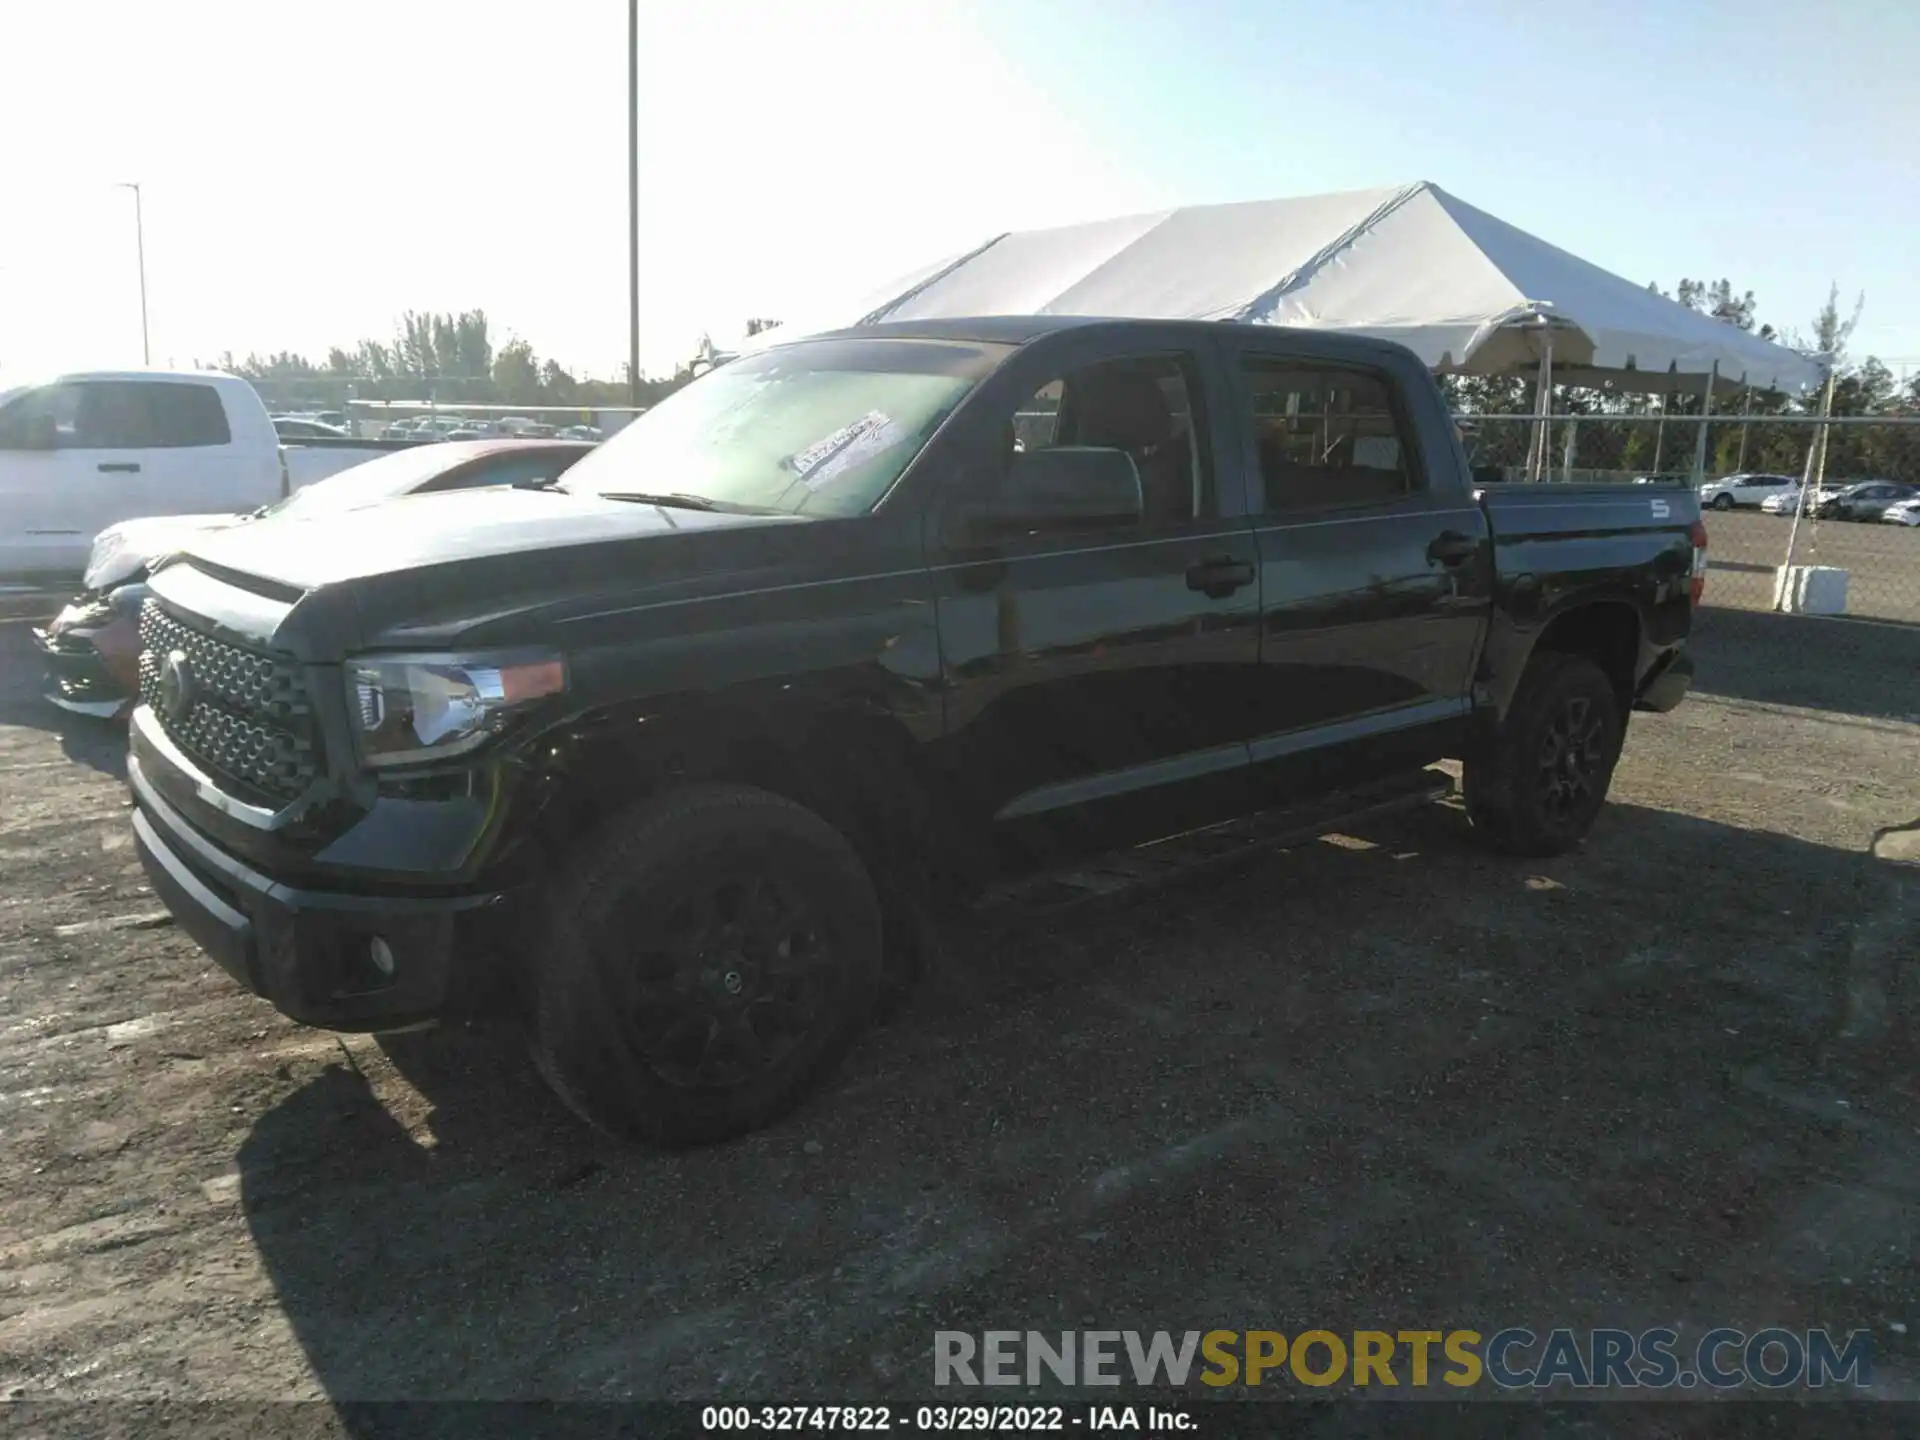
[(1661, 510)]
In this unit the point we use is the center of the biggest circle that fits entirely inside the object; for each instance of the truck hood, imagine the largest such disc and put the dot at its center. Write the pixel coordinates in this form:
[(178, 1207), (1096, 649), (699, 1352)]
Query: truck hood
[(122, 551), (421, 532)]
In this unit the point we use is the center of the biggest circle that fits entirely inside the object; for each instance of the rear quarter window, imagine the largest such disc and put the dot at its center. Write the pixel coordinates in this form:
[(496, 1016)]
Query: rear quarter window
[(189, 415), (509, 470), (150, 415)]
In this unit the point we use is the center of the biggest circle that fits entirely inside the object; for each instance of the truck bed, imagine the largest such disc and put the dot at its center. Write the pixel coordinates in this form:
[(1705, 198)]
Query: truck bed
[(1520, 512)]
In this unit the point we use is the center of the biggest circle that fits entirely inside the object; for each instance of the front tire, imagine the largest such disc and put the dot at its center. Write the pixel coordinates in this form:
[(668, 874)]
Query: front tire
[(709, 961), (1539, 784)]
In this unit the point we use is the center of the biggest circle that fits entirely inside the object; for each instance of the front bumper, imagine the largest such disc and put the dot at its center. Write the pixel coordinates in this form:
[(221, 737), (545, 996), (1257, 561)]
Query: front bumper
[(79, 679), (312, 952)]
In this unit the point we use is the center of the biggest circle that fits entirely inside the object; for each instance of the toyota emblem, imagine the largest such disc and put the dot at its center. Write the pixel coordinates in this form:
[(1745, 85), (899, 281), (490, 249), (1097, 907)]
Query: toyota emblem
[(176, 685)]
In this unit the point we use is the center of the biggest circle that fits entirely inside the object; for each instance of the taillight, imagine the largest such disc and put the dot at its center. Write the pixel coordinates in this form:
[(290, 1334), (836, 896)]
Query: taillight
[(1699, 537)]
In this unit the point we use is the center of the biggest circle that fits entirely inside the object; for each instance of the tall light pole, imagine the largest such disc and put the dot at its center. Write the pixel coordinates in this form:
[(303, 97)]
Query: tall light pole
[(633, 200), (140, 243)]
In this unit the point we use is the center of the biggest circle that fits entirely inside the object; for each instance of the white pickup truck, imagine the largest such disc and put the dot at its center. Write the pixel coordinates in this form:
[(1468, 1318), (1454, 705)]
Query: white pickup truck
[(86, 451)]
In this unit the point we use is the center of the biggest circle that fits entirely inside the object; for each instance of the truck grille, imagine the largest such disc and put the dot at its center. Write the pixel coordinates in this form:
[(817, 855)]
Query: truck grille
[(240, 713)]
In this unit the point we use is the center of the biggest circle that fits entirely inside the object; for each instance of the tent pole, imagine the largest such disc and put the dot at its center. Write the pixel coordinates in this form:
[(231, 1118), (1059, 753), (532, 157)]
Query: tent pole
[(1660, 432), (1746, 424), (1700, 440), (1542, 409), (1807, 480), (1822, 430), (1566, 457)]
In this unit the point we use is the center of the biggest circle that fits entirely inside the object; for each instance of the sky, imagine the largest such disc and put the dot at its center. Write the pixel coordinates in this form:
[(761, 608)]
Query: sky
[(309, 172)]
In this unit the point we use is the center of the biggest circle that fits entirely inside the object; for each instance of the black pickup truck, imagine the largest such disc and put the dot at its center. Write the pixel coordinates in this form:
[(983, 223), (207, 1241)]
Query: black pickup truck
[(679, 754)]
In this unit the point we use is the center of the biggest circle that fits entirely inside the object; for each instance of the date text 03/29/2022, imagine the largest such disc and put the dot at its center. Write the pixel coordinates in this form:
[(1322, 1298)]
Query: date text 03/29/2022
[(964, 1419)]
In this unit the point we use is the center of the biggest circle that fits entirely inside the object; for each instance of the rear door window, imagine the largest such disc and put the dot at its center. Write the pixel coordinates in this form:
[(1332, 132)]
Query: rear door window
[(1327, 437), (149, 415)]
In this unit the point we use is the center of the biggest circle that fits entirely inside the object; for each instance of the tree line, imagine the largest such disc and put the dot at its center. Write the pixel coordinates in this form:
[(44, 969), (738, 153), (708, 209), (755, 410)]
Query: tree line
[(449, 358)]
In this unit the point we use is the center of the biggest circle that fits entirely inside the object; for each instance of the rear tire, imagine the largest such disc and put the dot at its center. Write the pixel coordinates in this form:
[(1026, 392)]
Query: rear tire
[(710, 960), (1721, 502), (1539, 784)]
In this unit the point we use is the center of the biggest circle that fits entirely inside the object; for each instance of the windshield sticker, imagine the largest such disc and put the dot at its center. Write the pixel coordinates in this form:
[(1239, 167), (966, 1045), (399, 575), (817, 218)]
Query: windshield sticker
[(846, 447)]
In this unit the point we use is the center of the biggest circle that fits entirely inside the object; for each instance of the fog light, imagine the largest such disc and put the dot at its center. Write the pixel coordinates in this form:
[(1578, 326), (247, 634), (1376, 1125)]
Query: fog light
[(381, 954)]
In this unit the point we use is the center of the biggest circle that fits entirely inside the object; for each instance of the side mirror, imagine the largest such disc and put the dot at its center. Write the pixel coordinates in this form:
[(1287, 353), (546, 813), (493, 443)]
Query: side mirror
[(1063, 487)]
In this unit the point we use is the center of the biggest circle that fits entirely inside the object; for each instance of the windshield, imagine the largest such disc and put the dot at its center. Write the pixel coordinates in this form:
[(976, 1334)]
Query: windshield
[(370, 482), (817, 428)]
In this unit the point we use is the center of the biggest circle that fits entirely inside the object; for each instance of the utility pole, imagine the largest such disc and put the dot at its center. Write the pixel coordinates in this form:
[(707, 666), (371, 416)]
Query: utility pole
[(140, 246), (633, 200)]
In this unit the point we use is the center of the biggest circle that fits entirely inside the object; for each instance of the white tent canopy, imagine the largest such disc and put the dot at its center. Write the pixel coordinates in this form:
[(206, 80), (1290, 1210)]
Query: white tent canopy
[(1465, 291)]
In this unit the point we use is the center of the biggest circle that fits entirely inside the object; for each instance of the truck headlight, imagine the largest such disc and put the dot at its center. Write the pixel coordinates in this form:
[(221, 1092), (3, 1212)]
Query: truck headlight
[(416, 709)]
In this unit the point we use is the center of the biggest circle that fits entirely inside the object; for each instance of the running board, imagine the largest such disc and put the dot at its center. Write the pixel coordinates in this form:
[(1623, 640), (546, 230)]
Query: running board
[(1148, 866)]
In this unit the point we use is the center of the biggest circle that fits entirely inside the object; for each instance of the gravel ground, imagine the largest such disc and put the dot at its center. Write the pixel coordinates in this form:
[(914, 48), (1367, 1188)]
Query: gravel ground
[(1382, 1079)]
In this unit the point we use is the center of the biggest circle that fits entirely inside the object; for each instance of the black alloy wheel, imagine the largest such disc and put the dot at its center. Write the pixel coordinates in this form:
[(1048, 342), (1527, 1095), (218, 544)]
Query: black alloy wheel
[(729, 982), (1572, 759)]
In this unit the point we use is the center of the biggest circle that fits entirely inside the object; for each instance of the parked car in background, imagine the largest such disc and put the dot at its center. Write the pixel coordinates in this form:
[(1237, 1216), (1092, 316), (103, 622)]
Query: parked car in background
[(1866, 501), (1742, 491), (91, 449), (1788, 501), (298, 427), (706, 734), (1902, 512), (334, 418), (581, 432), (91, 648)]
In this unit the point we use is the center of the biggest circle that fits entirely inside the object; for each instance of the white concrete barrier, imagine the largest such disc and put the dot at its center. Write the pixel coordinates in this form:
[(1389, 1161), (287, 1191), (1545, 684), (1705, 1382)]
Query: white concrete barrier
[(1810, 590)]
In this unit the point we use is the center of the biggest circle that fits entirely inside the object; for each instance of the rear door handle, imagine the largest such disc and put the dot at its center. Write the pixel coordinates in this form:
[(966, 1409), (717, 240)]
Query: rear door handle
[(123, 467), (1220, 577), (1450, 547)]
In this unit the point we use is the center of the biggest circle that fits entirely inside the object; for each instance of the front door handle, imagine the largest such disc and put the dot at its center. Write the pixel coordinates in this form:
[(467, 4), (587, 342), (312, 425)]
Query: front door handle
[(1220, 577), (123, 467), (1450, 547)]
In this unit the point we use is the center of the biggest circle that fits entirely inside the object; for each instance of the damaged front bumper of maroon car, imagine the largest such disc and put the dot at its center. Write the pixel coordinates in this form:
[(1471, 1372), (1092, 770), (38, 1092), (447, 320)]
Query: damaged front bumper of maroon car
[(91, 651)]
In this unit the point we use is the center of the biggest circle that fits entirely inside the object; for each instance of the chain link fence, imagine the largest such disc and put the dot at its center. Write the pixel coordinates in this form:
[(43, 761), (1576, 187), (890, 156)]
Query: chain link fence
[(1843, 523), (1747, 541), (350, 404), (425, 419)]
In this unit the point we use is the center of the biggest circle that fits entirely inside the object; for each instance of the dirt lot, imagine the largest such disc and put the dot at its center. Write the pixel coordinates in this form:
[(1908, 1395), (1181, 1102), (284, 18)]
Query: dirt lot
[(1381, 1080), (1882, 561)]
